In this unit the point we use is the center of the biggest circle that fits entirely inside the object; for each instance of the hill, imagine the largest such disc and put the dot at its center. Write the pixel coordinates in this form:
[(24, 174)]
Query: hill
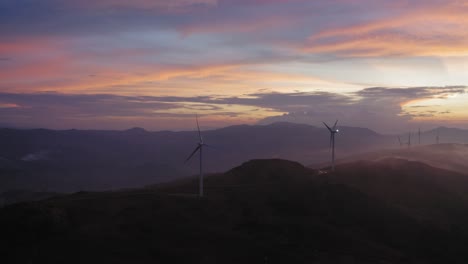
[(264, 211), (447, 156), (16, 196), (422, 191)]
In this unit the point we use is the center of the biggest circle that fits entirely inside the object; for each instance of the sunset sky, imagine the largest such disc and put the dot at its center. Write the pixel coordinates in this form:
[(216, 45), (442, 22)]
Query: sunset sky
[(101, 64)]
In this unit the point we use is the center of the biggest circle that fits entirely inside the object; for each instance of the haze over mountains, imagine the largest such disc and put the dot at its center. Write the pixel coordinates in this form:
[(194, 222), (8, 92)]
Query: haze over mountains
[(74, 160), (449, 156)]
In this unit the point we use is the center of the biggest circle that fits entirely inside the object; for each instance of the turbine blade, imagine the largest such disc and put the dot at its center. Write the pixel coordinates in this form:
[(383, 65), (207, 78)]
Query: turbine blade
[(198, 127), (327, 126), (334, 126), (193, 153)]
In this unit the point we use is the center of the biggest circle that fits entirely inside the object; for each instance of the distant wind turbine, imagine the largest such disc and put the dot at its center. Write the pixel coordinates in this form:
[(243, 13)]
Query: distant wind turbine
[(399, 141), (409, 139), (333, 131), (199, 148), (419, 136)]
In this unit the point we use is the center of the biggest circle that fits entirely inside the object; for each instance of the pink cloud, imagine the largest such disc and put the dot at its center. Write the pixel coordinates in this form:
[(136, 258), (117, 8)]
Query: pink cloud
[(433, 30)]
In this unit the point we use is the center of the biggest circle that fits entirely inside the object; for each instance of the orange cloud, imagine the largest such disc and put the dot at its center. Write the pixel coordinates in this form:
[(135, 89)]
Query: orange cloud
[(8, 105)]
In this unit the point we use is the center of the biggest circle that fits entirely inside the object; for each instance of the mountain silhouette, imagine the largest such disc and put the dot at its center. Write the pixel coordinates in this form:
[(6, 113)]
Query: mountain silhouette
[(74, 160)]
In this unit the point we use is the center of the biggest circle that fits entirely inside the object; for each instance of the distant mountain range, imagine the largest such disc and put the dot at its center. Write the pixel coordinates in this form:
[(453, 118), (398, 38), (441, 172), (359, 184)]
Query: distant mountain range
[(72, 160), (264, 211)]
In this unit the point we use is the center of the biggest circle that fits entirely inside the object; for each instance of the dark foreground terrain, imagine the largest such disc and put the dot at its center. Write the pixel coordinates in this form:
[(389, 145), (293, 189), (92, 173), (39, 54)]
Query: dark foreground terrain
[(265, 211)]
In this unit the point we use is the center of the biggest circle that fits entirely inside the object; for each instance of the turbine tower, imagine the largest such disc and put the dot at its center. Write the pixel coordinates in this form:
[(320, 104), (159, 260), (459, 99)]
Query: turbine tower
[(409, 139), (419, 136), (399, 141), (333, 131), (199, 148)]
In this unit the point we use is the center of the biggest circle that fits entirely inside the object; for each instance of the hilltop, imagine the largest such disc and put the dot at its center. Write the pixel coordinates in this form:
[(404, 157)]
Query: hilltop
[(447, 156)]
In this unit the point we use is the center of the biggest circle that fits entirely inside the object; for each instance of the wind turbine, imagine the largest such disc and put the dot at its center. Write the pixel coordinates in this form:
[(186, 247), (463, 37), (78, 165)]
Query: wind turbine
[(409, 139), (399, 141), (419, 136), (333, 131), (199, 148)]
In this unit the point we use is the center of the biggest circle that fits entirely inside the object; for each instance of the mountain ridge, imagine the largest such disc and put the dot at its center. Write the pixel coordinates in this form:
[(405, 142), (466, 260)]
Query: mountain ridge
[(74, 160)]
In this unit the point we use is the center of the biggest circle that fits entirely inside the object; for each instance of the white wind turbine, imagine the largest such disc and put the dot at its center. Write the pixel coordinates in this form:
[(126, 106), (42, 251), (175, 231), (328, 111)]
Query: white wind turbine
[(333, 131), (199, 148)]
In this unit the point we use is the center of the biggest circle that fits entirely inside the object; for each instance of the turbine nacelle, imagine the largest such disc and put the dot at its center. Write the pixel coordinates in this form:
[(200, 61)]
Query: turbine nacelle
[(333, 129)]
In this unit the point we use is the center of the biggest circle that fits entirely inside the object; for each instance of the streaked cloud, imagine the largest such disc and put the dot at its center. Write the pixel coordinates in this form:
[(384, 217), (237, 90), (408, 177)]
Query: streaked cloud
[(379, 108)]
